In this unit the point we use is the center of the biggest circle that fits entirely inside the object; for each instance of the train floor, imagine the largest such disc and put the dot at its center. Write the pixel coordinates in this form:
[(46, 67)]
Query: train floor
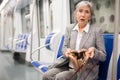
[(12, 70)]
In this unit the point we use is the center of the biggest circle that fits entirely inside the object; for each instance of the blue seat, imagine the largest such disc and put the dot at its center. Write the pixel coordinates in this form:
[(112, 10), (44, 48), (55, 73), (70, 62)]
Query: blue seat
[(54, 42), (21, 43), (118, 68), (103, 69)]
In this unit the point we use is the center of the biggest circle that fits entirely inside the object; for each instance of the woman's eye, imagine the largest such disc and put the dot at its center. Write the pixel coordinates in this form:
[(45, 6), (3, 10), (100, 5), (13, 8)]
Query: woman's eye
[(87, 11), (80, 10)]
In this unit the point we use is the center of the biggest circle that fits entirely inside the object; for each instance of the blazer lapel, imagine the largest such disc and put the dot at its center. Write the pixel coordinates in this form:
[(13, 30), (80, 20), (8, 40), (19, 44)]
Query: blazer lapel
[(74, 37), (84, 38)]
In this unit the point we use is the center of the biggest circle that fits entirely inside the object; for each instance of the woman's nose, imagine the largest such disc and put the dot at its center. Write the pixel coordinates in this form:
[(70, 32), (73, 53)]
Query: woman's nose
[(83, 14)]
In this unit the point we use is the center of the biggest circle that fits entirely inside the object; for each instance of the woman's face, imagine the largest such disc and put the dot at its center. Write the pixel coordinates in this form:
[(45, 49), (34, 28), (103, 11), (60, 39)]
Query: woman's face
[(83, 15)]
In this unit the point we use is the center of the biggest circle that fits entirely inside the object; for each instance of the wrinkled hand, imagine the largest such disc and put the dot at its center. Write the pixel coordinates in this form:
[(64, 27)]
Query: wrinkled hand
[(69, 55), (67, 52), (74, 51), (89, 53), (82, 50)]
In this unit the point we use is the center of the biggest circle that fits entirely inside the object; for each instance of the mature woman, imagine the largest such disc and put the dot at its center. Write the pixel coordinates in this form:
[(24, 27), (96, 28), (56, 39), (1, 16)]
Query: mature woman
[(80, 36)]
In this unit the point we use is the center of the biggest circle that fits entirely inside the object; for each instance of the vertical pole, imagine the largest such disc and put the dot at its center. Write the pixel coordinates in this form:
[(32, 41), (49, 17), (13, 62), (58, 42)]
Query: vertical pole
[(116, 31), (31, 45), (38, 26)]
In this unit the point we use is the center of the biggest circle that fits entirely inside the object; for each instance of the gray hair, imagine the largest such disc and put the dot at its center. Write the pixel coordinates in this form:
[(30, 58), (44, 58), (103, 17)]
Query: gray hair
[(84, 3)]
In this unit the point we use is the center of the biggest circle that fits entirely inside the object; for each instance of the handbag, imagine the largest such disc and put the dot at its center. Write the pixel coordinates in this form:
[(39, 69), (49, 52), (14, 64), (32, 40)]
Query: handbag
[(61, 62)]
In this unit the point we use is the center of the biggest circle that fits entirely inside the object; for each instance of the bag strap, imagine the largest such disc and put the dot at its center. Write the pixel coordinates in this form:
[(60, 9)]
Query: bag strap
[(70, 78), (92, 67)]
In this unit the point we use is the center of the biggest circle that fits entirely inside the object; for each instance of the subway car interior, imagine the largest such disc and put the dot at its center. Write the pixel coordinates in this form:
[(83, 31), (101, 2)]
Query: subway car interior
[(32, 36)]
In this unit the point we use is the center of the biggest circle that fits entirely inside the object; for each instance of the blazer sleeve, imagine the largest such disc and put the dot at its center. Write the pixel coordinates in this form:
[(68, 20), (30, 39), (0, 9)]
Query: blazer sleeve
[(66, 40), (67, 37), (100, 52)]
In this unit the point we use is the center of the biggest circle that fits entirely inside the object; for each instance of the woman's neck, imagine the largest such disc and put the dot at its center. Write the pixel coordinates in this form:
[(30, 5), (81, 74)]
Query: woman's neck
[(81, 25)]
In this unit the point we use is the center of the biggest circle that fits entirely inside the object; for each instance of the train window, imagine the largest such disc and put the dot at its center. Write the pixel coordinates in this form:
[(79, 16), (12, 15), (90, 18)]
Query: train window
[(25, 12), (104, 13), (45, 16), (42, 29)]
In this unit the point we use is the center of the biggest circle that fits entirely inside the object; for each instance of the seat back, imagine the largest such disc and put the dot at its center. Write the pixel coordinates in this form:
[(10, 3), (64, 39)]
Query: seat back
[(59, 52), (21, 43), (52, 47), (48, 40), (103, 69), (56, 43)]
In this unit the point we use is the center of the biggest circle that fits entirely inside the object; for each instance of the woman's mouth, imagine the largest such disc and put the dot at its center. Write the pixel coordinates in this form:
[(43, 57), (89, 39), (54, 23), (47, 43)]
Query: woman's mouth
[(82, 20)]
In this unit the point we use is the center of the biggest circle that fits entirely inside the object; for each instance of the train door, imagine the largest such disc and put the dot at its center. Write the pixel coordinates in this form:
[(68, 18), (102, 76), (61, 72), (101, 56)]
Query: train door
[(22, 21)]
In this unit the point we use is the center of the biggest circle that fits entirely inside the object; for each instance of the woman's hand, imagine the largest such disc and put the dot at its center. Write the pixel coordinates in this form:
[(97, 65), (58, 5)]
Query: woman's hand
[(90, 52), (67, 52), (73, 59)]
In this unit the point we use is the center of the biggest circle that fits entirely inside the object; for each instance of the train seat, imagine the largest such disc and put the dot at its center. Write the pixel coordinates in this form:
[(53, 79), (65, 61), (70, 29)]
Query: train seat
[(21, 43), (103, 68), (54, 42)]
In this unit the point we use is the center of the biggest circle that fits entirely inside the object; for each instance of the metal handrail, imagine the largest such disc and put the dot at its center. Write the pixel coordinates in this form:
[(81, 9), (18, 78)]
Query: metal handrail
[(37, 50)]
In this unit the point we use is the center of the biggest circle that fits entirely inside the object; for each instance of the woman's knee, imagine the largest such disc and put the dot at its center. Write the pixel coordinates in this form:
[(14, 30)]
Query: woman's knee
[(45, 76), (60, 76), (66, 75), (49, 75)]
